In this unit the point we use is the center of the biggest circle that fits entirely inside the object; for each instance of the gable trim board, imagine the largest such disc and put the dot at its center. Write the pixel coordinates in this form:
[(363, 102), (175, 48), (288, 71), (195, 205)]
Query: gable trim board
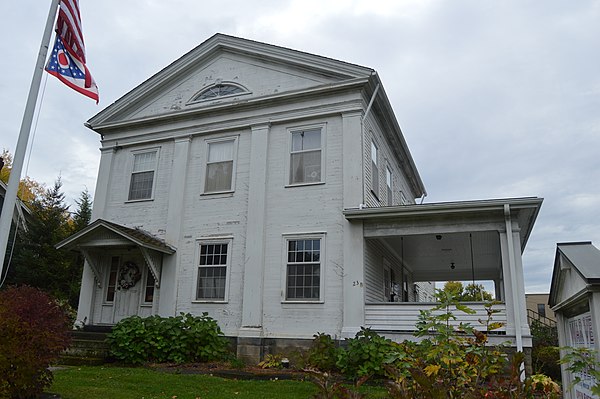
[(584, 259)]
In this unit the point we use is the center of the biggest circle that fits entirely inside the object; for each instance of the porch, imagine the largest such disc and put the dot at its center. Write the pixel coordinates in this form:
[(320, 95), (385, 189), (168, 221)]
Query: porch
[(411, 250)]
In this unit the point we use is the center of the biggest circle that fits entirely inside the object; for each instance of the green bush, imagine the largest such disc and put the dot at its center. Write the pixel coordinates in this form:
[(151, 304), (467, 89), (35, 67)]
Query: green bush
[(180, 339), (365, 354), (323, 353), (33, 333)]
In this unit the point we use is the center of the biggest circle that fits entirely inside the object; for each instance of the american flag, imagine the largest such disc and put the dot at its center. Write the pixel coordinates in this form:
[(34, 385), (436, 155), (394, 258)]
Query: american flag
[(67, 61)]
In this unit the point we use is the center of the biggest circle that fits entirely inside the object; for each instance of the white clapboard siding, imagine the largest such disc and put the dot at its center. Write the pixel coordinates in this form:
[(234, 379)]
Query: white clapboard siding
[(404, 316)]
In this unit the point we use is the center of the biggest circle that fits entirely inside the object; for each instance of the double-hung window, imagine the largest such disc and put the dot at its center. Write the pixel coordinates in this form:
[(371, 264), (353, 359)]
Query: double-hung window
[(213, 262), (304, 269), (305, 156), (374, 170), (220, 166), (142, 175), (388, 183)]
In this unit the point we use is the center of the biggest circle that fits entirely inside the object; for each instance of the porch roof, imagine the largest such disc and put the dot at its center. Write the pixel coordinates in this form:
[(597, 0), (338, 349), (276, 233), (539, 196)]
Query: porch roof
[(449, 240), (89, 237), (524, 210)]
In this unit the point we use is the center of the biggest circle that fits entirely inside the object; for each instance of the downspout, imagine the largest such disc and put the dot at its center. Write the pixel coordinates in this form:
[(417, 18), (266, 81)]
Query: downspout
[(362, 132), (513, 280)]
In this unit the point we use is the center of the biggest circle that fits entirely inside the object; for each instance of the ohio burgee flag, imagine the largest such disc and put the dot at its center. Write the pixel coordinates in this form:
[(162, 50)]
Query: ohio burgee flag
[(67, 61)]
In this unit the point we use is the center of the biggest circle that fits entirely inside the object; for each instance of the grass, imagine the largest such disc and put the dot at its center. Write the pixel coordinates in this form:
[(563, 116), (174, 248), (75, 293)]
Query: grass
[(103, 382)]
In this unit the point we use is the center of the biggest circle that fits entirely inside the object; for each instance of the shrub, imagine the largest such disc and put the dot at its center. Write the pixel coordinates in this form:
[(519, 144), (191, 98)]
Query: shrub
[(180, 339), (323, 353), (34, 333), (365, 354)]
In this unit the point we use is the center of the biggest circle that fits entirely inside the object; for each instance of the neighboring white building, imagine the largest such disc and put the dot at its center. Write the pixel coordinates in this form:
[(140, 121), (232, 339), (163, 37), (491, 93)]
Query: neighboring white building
[(274, 190), (575, 300)]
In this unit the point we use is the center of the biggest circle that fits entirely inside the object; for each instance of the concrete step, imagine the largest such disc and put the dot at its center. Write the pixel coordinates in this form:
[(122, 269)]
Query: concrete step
[(87, 348)]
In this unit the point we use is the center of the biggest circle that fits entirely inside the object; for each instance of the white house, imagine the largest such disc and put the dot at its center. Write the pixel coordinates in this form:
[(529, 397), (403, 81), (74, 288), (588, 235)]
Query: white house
[(575, 299), (274, 190)]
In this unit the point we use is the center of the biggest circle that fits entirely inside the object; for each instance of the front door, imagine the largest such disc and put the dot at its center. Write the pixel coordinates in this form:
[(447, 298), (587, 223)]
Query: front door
[(124, 287)]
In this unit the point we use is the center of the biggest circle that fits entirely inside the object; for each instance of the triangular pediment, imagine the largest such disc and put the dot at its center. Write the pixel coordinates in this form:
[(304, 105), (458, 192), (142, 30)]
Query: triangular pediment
[(104, 234), (259, 70)]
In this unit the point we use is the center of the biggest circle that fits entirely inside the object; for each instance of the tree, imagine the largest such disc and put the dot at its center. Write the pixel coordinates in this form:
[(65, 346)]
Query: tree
[(471, 293), (29, 189), (36, 261), (83, 215)]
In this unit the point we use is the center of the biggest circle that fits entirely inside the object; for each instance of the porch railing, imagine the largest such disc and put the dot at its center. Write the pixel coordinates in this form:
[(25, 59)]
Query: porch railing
[(403, 316)]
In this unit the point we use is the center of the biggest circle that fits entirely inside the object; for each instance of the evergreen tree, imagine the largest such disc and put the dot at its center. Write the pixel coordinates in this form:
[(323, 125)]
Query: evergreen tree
[(37, 262), (83, 215)]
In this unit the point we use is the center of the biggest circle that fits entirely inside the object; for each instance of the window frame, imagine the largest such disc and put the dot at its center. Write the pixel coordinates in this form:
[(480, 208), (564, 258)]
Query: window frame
[(322, 268), (288, 167), (195, 99), (145, 287), (108, 284), (133, 153), (375, 184), (212, 241), (207, 143), (389, 183)]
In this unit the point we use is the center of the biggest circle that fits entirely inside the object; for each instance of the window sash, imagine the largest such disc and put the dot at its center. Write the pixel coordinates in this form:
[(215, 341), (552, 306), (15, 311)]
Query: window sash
[(374, 170), (141, 185), (303, 270), (306, 156), (111, 285), (219, 166), (388, 180), (149, 289), (212, 271), (142, 175)]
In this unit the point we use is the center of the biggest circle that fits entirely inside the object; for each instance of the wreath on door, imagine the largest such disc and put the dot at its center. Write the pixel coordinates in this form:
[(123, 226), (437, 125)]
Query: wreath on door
[(129, 275)]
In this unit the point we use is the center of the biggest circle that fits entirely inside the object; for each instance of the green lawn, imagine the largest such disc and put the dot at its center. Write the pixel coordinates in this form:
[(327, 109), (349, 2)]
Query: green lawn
[(129, 383)]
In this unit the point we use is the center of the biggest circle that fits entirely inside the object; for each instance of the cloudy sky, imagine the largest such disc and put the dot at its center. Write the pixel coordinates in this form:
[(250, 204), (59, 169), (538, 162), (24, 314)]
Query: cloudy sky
[(495, 98)]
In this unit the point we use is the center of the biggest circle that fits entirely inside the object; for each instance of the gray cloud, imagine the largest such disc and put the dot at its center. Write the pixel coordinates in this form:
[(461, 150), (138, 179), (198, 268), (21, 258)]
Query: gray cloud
[(496, 99)]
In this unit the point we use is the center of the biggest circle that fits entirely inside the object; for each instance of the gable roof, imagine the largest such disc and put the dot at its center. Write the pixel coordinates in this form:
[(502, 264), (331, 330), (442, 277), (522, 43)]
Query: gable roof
[(134, 235), (583, 257), (219, 42)]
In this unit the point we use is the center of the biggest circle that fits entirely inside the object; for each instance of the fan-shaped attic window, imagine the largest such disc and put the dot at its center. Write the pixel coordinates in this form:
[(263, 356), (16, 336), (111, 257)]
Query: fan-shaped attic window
[(219, 90)]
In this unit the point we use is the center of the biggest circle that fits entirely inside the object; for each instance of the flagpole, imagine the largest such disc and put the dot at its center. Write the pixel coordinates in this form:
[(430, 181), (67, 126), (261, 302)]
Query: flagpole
[(19, 156)]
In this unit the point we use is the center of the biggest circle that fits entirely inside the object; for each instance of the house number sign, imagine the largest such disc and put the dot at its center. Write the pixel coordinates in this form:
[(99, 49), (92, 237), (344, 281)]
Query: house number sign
[(129, 275)]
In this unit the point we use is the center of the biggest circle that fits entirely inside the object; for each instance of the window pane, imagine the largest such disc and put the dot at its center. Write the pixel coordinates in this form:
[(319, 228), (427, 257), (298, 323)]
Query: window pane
[(306, 140), (219, 176), (141, 185), (144, 161), (375, 178), (220, 151), (373, 153), (305, 167), (211, 282)]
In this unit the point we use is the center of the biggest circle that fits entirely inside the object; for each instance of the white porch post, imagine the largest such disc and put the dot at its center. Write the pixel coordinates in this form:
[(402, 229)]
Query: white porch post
[(167, 300), (252, 305), (353, 277), (88, 283), (512, 268), (562, 337)]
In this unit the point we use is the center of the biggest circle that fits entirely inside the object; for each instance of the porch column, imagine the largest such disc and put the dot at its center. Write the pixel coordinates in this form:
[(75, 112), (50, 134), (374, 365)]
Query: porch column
[(88, 286), (167, 299), (514, 286), (353, 250), (249, 343)]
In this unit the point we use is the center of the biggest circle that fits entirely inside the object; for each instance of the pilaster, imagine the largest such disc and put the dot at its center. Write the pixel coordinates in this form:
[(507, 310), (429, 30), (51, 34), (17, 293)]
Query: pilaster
[(252, 306)]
